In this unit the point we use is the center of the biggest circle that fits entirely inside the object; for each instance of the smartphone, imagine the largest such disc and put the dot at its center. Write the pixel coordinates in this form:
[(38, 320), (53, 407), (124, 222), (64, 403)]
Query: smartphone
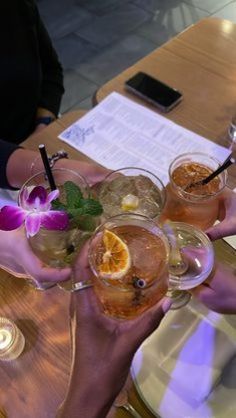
[(154, 91)]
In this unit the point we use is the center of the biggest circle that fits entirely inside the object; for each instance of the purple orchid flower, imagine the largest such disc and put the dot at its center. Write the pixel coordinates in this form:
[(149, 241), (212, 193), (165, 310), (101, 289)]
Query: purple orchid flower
[(35, 212)]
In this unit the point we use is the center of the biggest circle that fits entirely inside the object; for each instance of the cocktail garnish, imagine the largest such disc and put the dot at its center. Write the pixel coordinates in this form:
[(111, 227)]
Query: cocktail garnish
[(76, 206), (36, 212), (42, 209), (139, 283), (129, 202), (116, 259)]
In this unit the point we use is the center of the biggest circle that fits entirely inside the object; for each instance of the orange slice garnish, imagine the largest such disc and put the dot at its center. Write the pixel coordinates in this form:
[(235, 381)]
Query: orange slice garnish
[(116, 258)]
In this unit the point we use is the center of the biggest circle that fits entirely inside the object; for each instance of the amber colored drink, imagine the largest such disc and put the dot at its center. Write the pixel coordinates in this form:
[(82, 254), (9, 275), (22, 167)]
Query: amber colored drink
[(146, 280), (195, 205)]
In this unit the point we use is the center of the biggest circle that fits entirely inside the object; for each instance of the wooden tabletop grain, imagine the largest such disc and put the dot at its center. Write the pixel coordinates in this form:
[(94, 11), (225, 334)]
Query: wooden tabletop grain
[(201, 63)]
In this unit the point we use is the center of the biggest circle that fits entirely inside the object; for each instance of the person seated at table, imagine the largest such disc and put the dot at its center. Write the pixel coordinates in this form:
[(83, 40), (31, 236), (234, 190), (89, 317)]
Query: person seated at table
[(31, 81), (15, 168), (102, 350)]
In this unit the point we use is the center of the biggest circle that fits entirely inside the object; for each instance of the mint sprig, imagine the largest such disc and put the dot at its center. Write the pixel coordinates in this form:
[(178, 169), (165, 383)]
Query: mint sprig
[(76, 206), (73, 194)]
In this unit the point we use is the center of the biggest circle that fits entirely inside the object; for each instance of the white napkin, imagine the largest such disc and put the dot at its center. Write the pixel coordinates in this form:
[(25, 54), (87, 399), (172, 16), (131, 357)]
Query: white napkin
[(181, 363)]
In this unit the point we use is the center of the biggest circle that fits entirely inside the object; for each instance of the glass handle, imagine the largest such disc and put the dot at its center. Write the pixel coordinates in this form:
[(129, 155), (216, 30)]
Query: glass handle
[(128, 407), (82, 285), (72, 286)]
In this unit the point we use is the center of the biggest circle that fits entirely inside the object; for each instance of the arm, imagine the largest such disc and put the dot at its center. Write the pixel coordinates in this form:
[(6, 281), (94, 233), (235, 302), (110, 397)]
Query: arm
[(18, 164), (102, 351)]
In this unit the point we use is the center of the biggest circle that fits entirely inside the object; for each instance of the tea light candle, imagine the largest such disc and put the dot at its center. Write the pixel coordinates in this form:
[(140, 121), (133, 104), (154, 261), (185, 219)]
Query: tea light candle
[(12, 341), (5, 338)]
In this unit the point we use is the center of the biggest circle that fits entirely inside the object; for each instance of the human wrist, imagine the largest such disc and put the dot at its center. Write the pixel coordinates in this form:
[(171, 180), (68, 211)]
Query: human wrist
[(44, 116), (88, 397), (44, 120)]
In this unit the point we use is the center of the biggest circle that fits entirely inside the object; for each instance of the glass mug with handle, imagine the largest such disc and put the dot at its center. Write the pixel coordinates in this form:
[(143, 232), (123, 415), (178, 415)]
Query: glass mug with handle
[(128, 256), (135, 263)]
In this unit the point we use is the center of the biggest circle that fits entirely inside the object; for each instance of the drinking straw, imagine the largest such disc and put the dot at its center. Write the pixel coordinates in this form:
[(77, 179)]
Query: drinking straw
[(47, 167)]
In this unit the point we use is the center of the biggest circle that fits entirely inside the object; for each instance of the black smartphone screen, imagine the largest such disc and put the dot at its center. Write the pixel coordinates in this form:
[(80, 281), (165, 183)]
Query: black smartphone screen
[(154, 90)]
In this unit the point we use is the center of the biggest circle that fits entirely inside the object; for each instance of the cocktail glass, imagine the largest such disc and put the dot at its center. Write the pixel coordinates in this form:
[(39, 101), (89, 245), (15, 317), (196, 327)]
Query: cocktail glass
[(125, 286), (134, 190), (232, 133), (191, 260), (58, 248), (198, 205)]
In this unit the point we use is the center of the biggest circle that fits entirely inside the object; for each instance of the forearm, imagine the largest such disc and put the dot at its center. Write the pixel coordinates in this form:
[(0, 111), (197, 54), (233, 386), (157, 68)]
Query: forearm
[(20, 164), (95, 382), (42, 112), (87, 398)]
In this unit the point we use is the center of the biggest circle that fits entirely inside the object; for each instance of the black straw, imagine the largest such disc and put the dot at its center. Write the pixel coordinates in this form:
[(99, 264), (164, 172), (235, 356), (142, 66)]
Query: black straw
[(47, 167), (219, 170)]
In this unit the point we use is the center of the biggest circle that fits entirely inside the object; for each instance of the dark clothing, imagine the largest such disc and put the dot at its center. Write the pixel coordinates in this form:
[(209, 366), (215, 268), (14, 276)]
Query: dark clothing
[(30, 73), (6, 149)]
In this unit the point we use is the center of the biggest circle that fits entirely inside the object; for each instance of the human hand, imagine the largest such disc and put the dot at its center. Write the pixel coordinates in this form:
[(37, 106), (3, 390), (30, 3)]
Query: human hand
[(227, 216), (218, 292), (102, 349), (17, 258)]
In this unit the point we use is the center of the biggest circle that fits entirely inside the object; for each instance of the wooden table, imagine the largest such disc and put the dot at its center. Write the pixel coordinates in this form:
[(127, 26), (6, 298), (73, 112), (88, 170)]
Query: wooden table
[(35, 384), (201, 62)]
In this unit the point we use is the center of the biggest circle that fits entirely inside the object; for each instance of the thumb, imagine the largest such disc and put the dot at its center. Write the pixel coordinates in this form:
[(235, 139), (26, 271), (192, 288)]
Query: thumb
[(42, 273), (49, 274), (223, 229)]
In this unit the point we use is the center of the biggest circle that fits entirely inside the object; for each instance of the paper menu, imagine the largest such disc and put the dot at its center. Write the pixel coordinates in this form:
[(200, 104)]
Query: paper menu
[(121, 133)]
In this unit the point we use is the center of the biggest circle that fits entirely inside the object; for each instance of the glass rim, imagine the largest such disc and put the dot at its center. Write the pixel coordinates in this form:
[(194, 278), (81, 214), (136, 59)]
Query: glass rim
[(188, 227), (134, 168), (43, 173), (189, 196), (199, 233), (100, 227), (162, 186)]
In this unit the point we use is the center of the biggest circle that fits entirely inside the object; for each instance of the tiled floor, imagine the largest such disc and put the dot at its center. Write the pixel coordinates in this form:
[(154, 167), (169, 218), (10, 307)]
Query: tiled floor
[(96, 39)]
